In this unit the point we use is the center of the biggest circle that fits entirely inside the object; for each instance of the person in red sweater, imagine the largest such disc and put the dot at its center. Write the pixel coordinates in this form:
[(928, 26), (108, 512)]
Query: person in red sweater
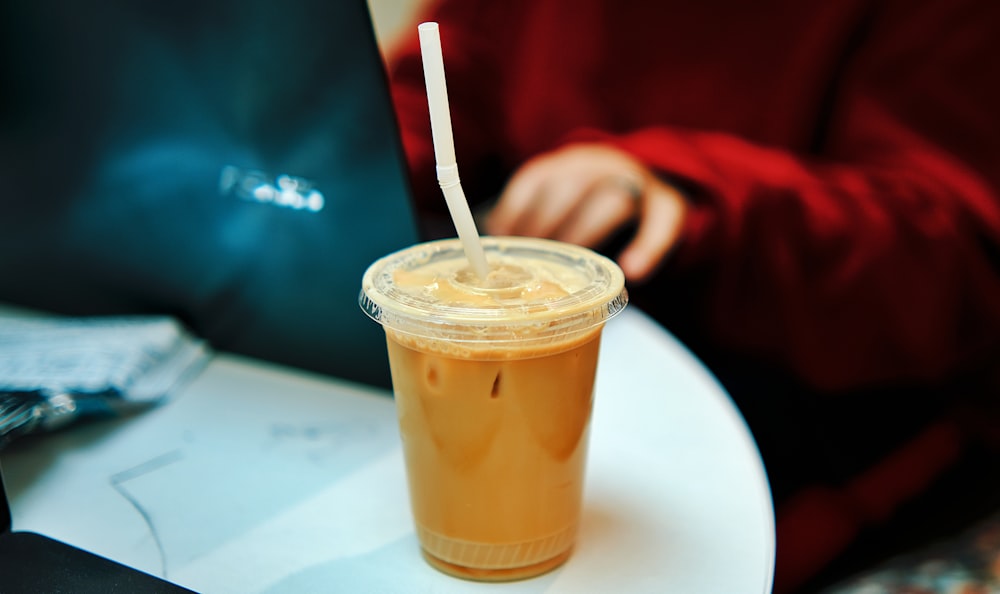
[(806, 193)]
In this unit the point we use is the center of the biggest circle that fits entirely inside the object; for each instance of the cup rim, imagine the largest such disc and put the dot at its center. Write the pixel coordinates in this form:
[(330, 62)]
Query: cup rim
[(602, 297)]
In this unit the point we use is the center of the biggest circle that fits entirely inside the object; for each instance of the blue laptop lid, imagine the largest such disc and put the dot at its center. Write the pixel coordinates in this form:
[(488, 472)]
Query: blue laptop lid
[(234, 163)]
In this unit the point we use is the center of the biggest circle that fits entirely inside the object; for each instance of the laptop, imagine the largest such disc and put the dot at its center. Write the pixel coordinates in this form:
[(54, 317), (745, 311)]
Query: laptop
[(31, 562), (232, 163)]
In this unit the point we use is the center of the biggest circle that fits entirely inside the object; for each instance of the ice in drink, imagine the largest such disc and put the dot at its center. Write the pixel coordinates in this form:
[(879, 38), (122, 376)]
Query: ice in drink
[(494, 387)]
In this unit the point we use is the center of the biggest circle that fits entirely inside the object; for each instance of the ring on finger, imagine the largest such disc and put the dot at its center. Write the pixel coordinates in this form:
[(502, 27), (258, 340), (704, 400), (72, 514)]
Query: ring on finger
[(632, 185)]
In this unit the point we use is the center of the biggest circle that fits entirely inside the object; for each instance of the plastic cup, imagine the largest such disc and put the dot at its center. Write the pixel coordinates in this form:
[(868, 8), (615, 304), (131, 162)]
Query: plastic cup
[(494, 390)]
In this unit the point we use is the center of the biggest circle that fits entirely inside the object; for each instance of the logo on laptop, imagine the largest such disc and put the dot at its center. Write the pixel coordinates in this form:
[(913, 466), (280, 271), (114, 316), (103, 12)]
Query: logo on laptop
[(283, 190)]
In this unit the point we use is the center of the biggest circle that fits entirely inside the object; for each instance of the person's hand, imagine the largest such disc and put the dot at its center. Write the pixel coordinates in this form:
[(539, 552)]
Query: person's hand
[(583, 194)]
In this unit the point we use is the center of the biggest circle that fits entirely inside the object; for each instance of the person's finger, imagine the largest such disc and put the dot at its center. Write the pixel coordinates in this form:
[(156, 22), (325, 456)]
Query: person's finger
[(658, 231), (541, 195), (556, 201), (515, 202), (547, 192), (608, 206)]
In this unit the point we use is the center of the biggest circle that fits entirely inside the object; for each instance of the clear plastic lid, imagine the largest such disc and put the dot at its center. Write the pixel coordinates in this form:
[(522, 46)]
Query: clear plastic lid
[(537, 290)]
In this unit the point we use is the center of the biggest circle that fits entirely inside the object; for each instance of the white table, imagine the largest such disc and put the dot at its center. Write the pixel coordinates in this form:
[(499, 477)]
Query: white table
[(259, 478)]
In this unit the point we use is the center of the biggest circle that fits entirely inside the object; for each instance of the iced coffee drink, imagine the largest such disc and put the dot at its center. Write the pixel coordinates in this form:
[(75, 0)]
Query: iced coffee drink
[(494, 384)]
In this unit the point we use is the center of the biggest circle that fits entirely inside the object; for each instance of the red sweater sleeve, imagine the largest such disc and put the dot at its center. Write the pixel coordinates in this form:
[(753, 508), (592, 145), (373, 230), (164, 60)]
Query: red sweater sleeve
[(877, 259), (873, 258)]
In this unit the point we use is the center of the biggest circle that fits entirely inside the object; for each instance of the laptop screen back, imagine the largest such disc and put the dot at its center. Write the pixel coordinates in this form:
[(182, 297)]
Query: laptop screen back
[(234, 163)]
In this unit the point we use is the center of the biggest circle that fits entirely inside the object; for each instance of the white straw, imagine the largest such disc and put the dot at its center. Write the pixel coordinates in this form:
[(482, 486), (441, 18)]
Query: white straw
[(444, 148)]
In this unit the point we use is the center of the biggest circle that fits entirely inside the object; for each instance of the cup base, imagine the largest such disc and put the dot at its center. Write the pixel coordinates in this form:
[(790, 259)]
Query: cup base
[(506, 574)]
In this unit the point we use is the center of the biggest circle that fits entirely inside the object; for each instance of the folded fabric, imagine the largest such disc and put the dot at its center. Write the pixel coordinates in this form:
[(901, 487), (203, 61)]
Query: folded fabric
[(54, 371)]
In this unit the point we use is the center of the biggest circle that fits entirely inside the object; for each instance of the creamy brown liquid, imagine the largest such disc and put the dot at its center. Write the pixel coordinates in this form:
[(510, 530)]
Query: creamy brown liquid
[(494, 381), (495, 449)]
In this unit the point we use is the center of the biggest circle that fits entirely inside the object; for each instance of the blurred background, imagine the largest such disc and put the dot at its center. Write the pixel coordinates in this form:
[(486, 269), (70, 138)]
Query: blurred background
[(391, 17)]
